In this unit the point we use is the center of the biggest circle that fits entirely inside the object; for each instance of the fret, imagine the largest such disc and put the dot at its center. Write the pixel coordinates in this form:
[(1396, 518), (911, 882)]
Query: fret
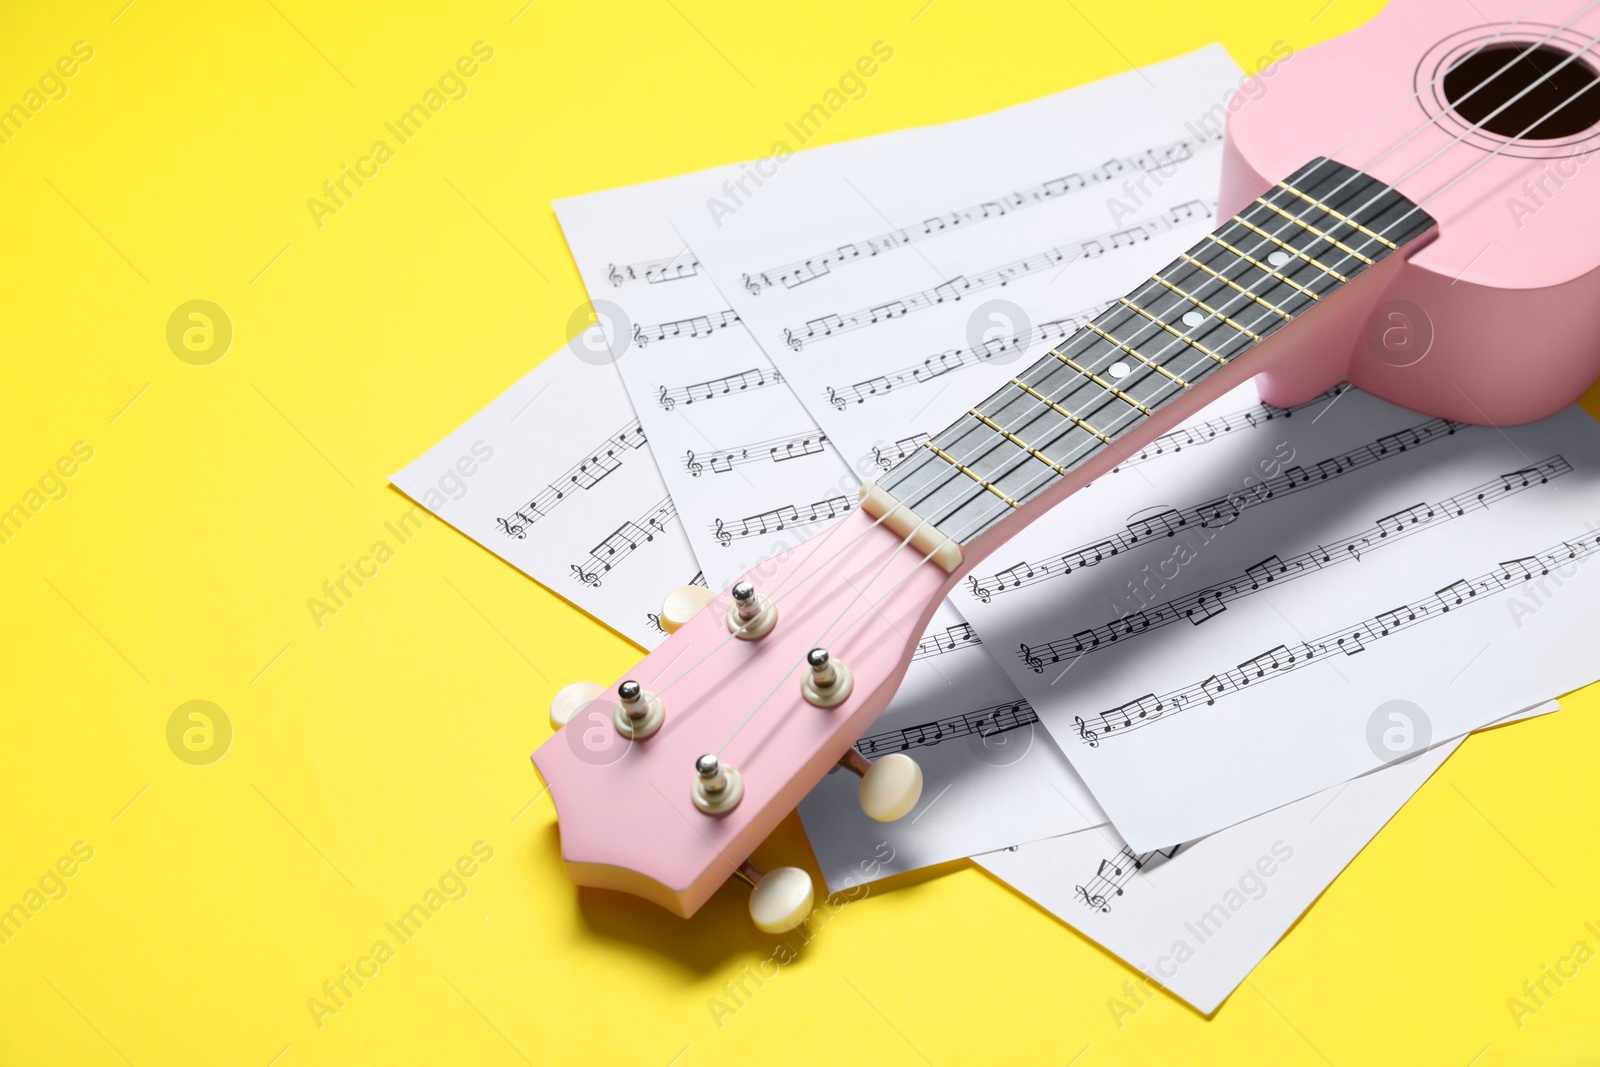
[(1136, 354), (1253, 261), (1183, 336), (1291, 249), (1208, 309), (948, 458), (1019, 442), (1101, 382), (1334, 241), (1132, 359), (1235, 286), (1313, 201)]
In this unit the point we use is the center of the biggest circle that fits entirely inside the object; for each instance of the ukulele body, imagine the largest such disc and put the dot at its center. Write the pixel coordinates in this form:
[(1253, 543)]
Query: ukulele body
[(1497, 320)]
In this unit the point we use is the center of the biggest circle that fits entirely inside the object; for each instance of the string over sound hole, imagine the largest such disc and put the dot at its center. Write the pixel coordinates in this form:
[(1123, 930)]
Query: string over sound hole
[(1477, 88)]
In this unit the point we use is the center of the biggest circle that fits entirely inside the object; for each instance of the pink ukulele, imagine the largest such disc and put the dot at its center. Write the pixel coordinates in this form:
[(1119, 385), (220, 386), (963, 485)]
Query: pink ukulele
[(1440, 249)]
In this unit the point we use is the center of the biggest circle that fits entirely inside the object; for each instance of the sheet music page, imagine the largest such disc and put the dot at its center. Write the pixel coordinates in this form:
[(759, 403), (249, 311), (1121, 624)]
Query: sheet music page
[(990, 773), (1197, 918), (752, 475), (894, 289), (746, 463), (555, 477)]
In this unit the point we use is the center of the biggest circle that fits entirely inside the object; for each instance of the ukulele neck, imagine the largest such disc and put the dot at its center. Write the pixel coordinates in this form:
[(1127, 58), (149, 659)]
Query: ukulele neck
[(1099, 390)]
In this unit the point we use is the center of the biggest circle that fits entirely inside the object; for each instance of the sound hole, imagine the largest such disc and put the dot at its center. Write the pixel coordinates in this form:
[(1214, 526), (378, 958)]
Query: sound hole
[(1574, 89)]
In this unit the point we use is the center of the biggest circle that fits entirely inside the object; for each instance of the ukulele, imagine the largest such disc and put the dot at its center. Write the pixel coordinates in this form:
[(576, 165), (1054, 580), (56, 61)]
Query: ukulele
[(1410, 189)]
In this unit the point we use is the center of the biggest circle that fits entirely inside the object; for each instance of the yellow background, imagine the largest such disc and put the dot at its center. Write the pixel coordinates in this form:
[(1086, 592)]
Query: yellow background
[(370, 754)]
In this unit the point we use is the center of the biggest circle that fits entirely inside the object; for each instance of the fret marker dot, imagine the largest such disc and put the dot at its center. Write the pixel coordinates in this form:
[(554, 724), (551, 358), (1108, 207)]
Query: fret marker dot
[(1193, 318), (1279, 258), (1119, 370)]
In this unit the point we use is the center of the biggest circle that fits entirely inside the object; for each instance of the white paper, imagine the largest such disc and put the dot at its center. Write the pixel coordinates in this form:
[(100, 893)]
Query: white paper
[(894, 289), (747, 465), (556, 478), (985, 785), (1198, 922)]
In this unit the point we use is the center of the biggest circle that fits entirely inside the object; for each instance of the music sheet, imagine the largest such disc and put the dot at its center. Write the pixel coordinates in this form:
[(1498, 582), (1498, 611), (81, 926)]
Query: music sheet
[(1197, 918), (893, 289), (555, 477)]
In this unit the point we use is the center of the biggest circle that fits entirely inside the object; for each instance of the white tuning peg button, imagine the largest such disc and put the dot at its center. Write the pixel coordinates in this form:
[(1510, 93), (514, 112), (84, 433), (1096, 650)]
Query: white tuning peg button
[(781, 900), (891, 787), (565, 704), (683, 604)]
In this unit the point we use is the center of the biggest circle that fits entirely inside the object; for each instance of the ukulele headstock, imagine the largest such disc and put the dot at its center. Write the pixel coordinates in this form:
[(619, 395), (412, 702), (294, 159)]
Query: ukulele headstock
[(639, 807)]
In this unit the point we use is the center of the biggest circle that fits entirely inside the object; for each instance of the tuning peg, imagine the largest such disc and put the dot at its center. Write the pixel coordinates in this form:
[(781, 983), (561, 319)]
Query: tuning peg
[(828, 683), (640, 714), (751, 615), (781, 899), (565, 704), (890, 787), (717, 787), (683, 604)]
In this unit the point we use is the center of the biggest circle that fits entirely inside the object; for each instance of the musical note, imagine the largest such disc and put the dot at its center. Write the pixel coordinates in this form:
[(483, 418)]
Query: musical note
[(776, 450), (832, 325), (586, 474), (781, 518), (694, 326), (1112, 876), (1203, 605), (1160, 157), (1223, 511), (953, 637), (655, 271), (986, 722), (1350, 640), (755, 378), (622, 542)]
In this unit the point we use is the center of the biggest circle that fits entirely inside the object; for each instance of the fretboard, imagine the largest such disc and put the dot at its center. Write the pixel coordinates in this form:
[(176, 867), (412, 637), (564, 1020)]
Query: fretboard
[(1287, 252)]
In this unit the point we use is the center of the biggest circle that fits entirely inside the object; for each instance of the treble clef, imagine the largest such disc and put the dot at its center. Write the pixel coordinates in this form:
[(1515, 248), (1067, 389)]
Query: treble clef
[(692, 465), (665, 399), (980, 592), (588, 578), (791, 340), (613, 274), (1035, 664), (1084, 732), (750, 284), (639, 337), (837, 401), (723, 535), (1094, 900), (512, 529)]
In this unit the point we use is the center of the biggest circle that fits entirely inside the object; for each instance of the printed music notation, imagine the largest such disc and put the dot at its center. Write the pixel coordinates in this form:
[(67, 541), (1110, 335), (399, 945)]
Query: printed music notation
[(730, 530), (1206, 604), (655, 271), (623, 542), (777, 450), (1200, 433), (886, 456), (1281, 660), (813, 267), (1113, 875), (985, 722), (694, 326), (653, 618), (754, 378), (957, 288), (1213, 513), (585, 475), (961, 635), (955, 358)]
